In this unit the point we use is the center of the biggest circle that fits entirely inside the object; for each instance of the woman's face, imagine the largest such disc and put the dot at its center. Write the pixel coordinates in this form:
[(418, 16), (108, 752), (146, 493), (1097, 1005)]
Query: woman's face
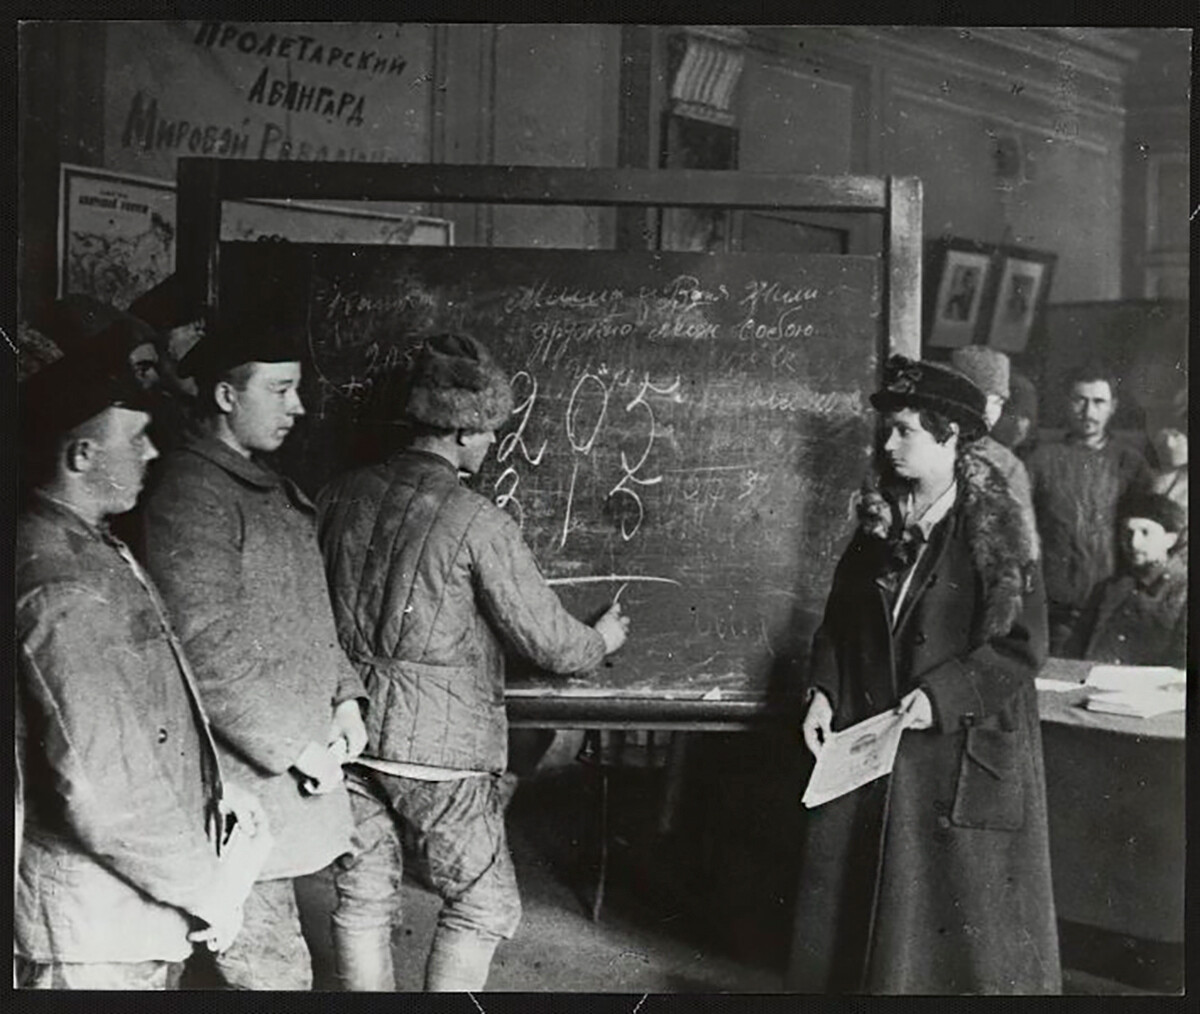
[(913, 452)]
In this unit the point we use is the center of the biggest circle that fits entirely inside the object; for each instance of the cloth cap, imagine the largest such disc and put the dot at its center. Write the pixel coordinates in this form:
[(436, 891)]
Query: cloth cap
[(74, 321), (79, 385), (453, 383), (1154, 507), (225, 347), (917, 384), (165, 306), (986, 368), (1022, 398)]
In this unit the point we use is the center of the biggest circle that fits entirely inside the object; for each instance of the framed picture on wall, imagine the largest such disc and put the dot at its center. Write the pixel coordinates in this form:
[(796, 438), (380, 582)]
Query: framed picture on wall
[(961, 270), (1020, 297)]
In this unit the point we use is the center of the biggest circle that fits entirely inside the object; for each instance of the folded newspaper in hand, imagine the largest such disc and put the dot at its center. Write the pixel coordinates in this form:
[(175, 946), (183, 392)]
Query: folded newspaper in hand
[(853, 757)]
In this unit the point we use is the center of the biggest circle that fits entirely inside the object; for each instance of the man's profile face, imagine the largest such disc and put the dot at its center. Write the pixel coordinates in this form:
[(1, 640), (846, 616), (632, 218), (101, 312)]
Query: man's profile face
[(1091, 407), (1146, 542), (121, 451), (476, 444), (263, 413)]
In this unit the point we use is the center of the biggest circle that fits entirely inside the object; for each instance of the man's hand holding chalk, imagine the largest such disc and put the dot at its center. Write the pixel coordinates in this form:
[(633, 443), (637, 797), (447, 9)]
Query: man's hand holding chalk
[(613, 626)]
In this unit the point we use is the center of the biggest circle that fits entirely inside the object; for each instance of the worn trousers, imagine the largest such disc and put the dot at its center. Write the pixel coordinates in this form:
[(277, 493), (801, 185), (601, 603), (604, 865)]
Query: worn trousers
[(92, 974), (270, 952), (453, 835)]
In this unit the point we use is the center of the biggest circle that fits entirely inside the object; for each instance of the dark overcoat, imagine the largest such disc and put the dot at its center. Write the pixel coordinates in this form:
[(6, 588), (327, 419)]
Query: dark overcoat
[(936, 879)]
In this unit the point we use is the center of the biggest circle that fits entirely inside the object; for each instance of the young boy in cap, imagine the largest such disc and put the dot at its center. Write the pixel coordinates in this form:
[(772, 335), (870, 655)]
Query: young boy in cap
[(125, 812), (988, 370), (431, 585), (1139, 617), (233, 546)]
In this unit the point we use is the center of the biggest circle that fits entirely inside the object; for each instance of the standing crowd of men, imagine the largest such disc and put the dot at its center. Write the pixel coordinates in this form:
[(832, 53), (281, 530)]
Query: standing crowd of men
[(184, 720), (272, 686)]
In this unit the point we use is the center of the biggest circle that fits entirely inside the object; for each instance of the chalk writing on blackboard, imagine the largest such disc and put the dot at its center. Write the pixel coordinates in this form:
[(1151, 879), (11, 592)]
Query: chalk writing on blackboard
[(688, 426)]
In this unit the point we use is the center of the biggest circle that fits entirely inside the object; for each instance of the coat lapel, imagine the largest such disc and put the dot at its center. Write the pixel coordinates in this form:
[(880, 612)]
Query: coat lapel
[(927, 569)]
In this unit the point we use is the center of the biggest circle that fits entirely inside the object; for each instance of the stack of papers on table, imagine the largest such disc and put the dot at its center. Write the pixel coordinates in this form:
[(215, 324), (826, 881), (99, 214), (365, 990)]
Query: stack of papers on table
[(1143, 703), (1134, 677)]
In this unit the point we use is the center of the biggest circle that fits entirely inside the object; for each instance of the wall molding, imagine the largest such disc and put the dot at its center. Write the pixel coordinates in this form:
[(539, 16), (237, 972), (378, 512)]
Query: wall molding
[(1040, 85), (912, 91)]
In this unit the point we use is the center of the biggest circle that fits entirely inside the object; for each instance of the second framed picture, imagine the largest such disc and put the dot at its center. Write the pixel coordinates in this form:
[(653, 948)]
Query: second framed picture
[(1020, 296)]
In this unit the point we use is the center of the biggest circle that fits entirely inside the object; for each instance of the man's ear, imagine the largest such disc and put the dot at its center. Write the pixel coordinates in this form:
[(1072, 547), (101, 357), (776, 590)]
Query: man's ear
[(79, 455), (225, 396)]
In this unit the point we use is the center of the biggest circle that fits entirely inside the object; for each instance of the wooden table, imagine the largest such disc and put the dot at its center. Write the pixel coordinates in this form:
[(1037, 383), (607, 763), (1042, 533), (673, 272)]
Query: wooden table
[(1115, 793)]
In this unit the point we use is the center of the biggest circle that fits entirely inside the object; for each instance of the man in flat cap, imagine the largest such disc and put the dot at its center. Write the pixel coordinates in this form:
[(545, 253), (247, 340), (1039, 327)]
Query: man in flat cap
[(431, 584), (1139, 616), (176, 326), (988, 369), (125, 812), (233, 546)]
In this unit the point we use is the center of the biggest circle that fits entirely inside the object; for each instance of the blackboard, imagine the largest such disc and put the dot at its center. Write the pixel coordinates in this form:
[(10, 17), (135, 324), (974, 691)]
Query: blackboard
[(689, 428)]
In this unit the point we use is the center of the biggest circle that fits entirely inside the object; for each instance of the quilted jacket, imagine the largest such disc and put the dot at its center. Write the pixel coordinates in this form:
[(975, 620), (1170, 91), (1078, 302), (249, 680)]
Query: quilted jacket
[(430, 584)]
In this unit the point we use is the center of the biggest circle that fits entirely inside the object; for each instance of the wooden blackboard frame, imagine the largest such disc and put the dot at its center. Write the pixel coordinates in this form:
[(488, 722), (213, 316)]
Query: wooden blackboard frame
[(204, 183)]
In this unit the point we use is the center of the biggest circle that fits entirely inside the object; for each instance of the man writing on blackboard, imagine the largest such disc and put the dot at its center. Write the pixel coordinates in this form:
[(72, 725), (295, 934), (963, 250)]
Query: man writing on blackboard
[(431, 583)]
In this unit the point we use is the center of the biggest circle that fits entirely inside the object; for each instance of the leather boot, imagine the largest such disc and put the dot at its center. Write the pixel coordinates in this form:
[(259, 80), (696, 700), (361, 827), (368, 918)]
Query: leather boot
[(363, 959)]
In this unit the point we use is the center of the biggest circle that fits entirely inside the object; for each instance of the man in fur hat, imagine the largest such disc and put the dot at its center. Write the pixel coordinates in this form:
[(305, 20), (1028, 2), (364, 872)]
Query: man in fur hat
[(431, 585), (988, 370), (1139, 617), (233, 546)]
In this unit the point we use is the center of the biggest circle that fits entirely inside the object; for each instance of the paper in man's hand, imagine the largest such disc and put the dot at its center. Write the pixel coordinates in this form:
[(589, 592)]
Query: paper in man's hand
[(853, 757)]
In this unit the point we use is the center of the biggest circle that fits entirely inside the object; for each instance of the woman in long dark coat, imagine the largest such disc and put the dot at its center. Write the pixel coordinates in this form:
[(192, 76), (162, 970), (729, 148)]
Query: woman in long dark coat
[(935, 879)]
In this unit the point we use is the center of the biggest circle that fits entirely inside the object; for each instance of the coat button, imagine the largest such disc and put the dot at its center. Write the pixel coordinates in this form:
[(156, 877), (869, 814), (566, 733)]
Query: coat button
[(162, 735), (943, 822), (919, 637)]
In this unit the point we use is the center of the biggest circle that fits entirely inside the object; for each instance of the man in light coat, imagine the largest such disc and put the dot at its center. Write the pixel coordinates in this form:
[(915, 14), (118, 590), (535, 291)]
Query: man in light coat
[(124, 810)]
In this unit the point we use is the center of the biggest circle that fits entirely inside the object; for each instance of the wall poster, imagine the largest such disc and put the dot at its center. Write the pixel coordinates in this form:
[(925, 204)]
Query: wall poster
[(116, 236)]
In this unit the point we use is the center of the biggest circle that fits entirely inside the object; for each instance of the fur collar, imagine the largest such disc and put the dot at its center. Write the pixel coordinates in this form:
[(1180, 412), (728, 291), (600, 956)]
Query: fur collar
[(991, 517)]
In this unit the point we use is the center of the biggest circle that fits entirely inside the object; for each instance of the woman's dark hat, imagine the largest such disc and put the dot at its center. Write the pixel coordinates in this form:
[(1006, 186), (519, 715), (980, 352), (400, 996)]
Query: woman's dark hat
[(228, 346), (918, 384)]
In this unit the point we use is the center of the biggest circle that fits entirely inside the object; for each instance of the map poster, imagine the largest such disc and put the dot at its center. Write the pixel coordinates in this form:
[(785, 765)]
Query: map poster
[(117, 232)]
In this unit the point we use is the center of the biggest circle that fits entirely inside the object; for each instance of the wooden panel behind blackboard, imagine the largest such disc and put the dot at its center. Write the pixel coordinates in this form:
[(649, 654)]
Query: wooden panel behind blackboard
[(689, 426)]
